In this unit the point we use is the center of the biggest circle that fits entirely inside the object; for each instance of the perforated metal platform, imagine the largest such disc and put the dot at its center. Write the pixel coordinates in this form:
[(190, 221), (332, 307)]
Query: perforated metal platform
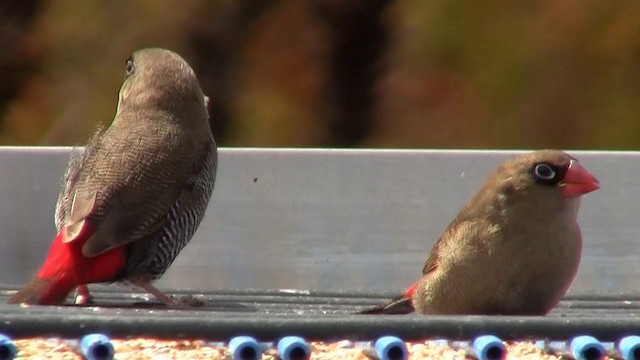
[(320, 315)]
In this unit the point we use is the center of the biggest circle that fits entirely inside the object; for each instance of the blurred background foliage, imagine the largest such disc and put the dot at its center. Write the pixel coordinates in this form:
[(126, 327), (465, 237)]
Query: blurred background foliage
[(346, 73)]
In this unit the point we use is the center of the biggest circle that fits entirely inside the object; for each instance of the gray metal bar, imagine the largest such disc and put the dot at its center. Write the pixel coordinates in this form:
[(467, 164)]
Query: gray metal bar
[(328, 219)]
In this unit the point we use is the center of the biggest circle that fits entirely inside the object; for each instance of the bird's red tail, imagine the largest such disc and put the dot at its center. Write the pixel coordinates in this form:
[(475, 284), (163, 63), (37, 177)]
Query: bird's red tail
[(65, 267), (410, 290), (399, 305), (44, 292)]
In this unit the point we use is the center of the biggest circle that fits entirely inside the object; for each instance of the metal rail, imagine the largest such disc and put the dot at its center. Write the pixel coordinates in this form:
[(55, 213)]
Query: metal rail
[(315, 315)]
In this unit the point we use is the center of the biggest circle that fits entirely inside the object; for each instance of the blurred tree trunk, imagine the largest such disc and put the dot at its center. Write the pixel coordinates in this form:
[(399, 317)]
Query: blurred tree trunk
[(358, 39), (215, 47), (18, 58)]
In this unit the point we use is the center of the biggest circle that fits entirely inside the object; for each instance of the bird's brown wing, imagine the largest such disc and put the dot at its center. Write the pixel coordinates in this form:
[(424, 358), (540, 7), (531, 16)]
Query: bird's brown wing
[(68, 180), (432, 261), (136, 214), (139, 209), (76, 161), (462, 228)]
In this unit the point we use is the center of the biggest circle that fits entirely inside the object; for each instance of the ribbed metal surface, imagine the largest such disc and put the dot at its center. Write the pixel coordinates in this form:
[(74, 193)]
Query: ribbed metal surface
[(321, 315)]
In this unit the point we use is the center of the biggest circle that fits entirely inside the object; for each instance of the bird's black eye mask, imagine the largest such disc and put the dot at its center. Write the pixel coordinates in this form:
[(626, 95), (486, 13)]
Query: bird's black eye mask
[(546, 173), (130, 67)]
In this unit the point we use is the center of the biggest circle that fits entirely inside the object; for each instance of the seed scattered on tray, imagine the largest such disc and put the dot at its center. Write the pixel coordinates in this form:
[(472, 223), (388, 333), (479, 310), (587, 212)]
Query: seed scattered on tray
[(43, 348), (148, 348)]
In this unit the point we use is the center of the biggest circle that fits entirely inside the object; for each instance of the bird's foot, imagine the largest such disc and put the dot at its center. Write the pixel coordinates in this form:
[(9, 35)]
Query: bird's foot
[(169, 301), (189, 300), (83, 297), (146, 286)]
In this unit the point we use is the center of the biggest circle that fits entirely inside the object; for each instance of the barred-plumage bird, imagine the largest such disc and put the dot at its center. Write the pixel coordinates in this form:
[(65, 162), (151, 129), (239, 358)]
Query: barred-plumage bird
[(135, 196)]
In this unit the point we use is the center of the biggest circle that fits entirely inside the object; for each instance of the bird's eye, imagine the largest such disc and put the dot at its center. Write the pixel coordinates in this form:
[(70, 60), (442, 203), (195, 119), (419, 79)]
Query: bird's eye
[(130, 68), (544, 172)]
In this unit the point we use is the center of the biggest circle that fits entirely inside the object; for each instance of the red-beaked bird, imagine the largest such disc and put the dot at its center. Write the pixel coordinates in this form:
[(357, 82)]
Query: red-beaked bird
[(135, 196), (513, 249)]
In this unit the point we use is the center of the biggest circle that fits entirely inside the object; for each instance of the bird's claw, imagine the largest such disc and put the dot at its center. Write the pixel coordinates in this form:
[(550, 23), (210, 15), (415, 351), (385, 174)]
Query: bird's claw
[(189, 300), (83, 297)]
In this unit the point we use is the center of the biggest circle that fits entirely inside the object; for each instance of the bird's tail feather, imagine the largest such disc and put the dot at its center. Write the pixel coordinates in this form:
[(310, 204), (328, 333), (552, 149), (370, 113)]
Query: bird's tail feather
[(397, 306), (43, 292)]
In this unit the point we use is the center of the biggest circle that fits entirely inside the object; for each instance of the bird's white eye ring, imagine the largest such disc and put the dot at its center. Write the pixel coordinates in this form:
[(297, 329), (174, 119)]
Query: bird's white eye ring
[(130, 68), (544, 172)]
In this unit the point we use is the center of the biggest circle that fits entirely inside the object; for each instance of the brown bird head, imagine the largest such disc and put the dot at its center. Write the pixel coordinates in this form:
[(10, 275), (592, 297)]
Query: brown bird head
[(545, 172), (530, 188), (163, 80)]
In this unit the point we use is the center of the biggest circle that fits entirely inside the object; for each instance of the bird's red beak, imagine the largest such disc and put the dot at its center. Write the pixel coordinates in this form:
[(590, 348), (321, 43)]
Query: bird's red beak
[(578, 181)]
